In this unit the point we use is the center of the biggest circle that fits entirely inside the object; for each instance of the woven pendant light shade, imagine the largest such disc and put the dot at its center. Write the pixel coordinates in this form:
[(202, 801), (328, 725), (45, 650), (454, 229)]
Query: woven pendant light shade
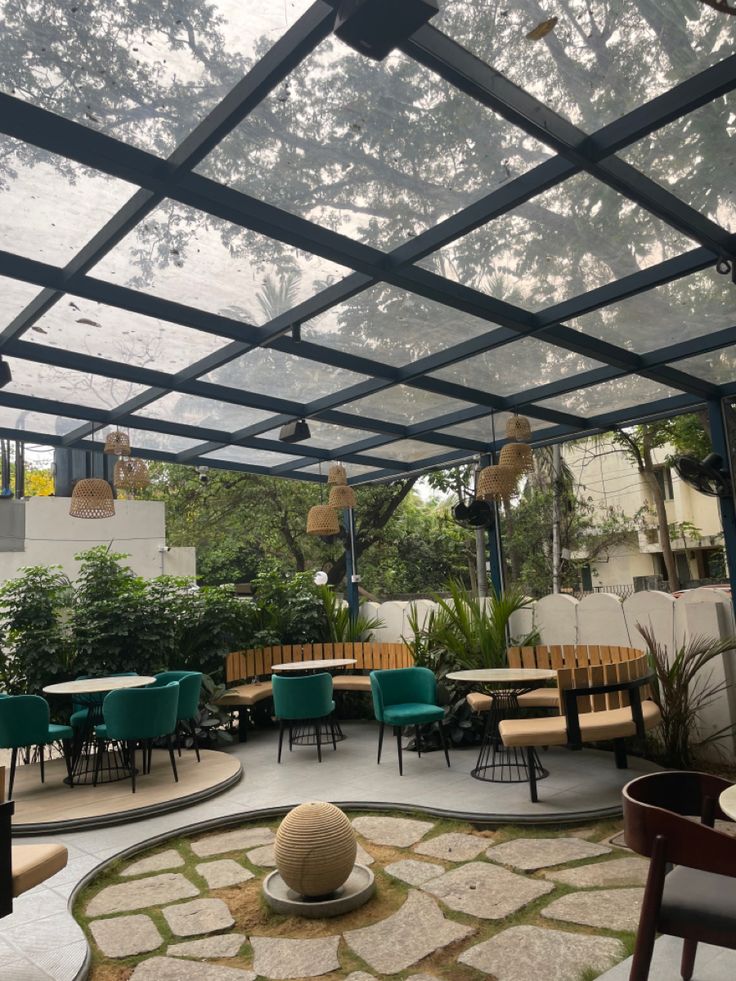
[(518, 456), (92, 498), (337, 474), (322, 520), (117, 443), (342, 496), (131, 474), (495, 483), (518, 428)]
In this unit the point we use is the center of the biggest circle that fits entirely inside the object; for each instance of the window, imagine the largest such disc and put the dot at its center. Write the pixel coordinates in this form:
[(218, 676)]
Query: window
[(663, 476)]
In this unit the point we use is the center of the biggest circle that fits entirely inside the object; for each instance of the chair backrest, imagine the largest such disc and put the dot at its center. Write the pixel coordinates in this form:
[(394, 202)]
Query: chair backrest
[(141, 713), (611, 673), (556, 656), (308, 697), (662, 805), (190, 686), (402, 685), (24, 721), (257, 662), (97, 697)]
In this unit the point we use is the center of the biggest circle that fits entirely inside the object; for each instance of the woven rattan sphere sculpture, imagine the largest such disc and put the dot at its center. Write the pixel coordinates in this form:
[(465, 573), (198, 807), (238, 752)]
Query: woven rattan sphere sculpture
[(315, 849)]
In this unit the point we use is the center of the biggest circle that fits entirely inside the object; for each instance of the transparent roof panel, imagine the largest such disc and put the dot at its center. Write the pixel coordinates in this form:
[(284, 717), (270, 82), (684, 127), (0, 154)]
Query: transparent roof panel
[(325, 435), (718, 367), (408, 451), (485, 427), (120, 335), (27, 420), (610, 396), (516, 367), (353, 469), (185, 255), (376, 150), (693, 158), (575, 237), (248, 455), (403, 405), (14, 297), (146, 74), (65, 385), (207, 413), (270, 372), (144, 439), (685, 308), (597, 61), (49, 206), (392, 326)]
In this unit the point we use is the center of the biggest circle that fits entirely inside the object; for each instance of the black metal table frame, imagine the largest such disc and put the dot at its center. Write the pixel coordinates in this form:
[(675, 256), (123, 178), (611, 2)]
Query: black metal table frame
[(85, 747), (330, 730), (497, 763)]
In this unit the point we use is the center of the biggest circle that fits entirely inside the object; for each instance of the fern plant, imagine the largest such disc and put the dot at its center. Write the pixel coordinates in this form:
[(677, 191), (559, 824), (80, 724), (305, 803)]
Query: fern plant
[(342, 628)]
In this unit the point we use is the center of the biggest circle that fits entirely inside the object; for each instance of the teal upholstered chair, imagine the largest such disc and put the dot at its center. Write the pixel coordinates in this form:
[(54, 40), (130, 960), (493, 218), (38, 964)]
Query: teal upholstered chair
[(406, 697), (190, 686), (138, 715), (24, 722), (307, 699), (80, 707)]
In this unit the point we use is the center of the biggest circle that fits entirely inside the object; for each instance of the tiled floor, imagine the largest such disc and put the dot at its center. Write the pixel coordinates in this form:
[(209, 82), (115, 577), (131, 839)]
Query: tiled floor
[(41, 941)]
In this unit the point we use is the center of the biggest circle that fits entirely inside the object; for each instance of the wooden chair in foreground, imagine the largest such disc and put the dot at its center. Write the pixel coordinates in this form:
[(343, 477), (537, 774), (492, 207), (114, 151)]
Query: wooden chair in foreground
[(22, 866), (697, 899)]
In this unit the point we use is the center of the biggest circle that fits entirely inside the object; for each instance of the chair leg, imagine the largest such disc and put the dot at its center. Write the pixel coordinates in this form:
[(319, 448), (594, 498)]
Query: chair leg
[(178, 739), (66, 746), (170, 744), (193, 730), (380, 741), (443, 740), (281, 737), (291, 736), (619, 753), (41, 764), (98, 760), (647, 931), (13, 762), (418, 736), (131, 757), (318, 734), (530, 761), (687, 964), (397, 730), (332, 733)]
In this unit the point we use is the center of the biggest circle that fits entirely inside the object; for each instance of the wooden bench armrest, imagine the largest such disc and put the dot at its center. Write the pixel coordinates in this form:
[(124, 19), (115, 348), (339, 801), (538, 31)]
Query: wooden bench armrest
[(571, 695)]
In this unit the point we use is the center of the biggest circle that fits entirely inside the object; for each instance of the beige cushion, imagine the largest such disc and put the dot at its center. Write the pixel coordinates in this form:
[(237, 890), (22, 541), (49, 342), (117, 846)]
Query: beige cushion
[(33, 864), (351, 682), (594, 726), (250, 694), (478, 702), (540, 698)]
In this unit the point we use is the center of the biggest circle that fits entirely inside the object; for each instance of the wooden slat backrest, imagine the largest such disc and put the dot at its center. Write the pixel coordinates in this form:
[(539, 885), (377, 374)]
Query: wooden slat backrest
[(528, 657), (624, 674), (610, 674), (594, 655), (598, 702), (258, 662), (513, 657), (581, 679)]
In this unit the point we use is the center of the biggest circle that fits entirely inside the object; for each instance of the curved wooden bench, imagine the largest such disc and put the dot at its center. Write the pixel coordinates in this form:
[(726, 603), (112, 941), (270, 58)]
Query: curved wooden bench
[(553, 657), (599, 702), (248, 673)]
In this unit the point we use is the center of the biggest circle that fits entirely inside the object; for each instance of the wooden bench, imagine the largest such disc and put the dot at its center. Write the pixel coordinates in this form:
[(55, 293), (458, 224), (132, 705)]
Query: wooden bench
[(608, 701), (553, 657), (22, 866), (248, 673)]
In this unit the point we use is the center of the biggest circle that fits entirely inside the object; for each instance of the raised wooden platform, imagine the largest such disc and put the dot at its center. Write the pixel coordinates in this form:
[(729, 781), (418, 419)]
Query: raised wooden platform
[(53, 806)]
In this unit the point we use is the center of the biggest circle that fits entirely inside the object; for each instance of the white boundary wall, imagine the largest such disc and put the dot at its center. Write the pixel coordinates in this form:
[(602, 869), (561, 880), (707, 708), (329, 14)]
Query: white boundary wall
[(603, 618)]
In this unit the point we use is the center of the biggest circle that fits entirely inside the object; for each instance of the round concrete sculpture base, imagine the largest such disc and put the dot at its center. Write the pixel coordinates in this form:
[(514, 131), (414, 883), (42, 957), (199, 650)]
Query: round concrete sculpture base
[(315, 849), (353, 893)]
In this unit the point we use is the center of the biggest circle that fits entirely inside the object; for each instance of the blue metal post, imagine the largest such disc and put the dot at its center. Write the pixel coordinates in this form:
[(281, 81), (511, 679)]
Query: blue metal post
[(351, 567), (719, 440), (495, 549)]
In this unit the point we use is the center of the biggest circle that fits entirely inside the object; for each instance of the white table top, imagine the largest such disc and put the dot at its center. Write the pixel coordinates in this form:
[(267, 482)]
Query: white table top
[(325, 663), (89, 686), (505, 676), (727, 800)]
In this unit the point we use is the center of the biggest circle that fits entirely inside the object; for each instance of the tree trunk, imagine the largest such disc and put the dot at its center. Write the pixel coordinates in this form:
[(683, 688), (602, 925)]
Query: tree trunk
[(647, 469)]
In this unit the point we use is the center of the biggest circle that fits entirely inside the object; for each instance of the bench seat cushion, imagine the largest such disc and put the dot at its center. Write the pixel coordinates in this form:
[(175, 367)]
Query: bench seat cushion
[(33, 864), (594, 726), (351, 682), (538, 698), (478, 701), (249, 694)]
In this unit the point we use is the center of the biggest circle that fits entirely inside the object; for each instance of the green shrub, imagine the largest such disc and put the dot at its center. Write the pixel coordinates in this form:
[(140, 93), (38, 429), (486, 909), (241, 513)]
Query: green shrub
[(288, 610), (342, 628)]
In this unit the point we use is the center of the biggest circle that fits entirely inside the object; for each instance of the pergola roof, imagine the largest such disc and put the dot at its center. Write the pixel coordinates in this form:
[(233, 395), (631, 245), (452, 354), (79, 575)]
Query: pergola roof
[(215, 217)]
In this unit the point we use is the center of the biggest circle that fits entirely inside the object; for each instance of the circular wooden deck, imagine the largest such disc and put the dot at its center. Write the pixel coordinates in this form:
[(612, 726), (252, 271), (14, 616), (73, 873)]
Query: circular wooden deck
[(53, 806)]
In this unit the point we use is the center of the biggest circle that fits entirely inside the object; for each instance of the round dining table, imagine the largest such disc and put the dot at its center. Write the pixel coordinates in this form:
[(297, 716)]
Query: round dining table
[(86, 693), (496, 762), (305, 735)]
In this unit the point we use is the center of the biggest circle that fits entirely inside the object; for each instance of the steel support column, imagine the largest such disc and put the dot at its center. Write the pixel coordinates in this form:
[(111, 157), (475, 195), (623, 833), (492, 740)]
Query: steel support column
[(495, 545), (351, 567), (719, 439)]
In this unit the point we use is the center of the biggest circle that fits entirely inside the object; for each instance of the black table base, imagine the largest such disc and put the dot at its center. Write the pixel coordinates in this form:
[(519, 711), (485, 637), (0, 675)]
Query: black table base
[(304, 735), (498, 763)]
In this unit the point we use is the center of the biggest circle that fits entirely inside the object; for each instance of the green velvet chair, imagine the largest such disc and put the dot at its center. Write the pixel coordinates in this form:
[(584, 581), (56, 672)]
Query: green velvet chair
[(137, 716), (406, 697), (24, 722), (190, 686), (80, 707), (307, 699)]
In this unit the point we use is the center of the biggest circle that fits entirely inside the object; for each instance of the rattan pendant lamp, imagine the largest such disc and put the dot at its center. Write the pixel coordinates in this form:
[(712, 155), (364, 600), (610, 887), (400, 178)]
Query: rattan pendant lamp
[(337, 475), (518, 428), (496, 482), (92, 497), (322, 519), (518, 456), (342, 496), (131, 474), (117, 443)]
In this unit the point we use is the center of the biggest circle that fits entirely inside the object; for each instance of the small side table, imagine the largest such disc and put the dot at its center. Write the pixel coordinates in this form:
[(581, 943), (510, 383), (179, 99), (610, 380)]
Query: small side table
[(496, 762)]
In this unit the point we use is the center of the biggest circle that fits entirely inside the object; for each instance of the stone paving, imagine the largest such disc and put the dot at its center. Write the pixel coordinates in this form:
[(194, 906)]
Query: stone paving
[(445, 898)]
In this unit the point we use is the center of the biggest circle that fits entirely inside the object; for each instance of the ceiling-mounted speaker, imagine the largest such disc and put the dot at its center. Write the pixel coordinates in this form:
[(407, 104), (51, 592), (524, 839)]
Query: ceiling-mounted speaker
[(376, 27), (295, 431)]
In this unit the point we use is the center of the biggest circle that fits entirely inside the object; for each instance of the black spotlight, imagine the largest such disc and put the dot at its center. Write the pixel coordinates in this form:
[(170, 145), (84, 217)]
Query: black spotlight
[(6, 376), (376, 27), (295, 431)]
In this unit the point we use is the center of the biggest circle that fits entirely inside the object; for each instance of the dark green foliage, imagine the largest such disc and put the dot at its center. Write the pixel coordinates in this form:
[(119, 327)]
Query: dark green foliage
[(342, 627), (289, 610)]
